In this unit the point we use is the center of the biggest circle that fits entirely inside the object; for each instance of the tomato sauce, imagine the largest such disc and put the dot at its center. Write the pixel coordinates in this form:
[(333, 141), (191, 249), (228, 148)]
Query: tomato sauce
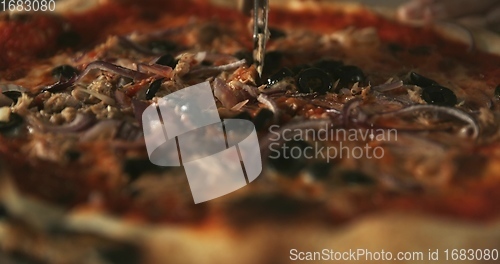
[(25, 38)]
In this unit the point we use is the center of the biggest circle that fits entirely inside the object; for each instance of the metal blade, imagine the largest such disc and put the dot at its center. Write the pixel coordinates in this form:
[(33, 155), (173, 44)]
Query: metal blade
[(260, 32)]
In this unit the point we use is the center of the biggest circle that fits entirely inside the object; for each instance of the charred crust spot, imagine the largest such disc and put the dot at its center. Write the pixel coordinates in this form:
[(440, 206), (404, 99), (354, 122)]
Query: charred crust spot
[(175, 206), (64, 184), (273, 208), (263, 119), (162, 46), (19, 17), (354, 178), (69, 39), (123, 254), (420, 51), (395, 47), (135, 167), (3, 212), (447, 65), (469, 166), (319, 170), (18, 257), (73, 155), (149, 15)]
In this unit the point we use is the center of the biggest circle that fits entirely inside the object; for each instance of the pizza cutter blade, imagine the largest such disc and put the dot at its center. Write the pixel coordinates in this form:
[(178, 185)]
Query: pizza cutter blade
[(260, 32)]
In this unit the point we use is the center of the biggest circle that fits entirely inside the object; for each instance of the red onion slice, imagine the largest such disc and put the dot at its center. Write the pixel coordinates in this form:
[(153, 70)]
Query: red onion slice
[(127, 43), (163, 71), (388, 86), (60, 85), (139, 107), (454, 112), (122, 99), (106, 66), (129, 132), (104, 98), (253, 91), (269, 103), (221, 68), (5, 101), (240, 105), (348, 108), (105, 130), (80, 123), (225, 95), (275, 89)]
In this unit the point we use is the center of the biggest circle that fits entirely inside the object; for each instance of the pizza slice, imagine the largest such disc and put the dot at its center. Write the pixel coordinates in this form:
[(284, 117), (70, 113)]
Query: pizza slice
[(367, 127)]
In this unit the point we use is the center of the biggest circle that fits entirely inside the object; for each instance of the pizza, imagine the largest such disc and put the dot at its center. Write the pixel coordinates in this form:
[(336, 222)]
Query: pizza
[(379, 139)]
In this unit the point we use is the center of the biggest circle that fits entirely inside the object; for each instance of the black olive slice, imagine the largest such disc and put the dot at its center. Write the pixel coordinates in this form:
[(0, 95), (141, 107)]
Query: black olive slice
[(349, 75), (153, 88), (314, 80), (439, 95), (167, 60), (162, 46), (421, 81), (14, 121), (64, 72), (272, 61), (279, 76), (263, 119)]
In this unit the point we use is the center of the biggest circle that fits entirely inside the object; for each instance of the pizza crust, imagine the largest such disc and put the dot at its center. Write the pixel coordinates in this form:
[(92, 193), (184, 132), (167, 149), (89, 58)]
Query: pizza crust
[(217, 242)]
